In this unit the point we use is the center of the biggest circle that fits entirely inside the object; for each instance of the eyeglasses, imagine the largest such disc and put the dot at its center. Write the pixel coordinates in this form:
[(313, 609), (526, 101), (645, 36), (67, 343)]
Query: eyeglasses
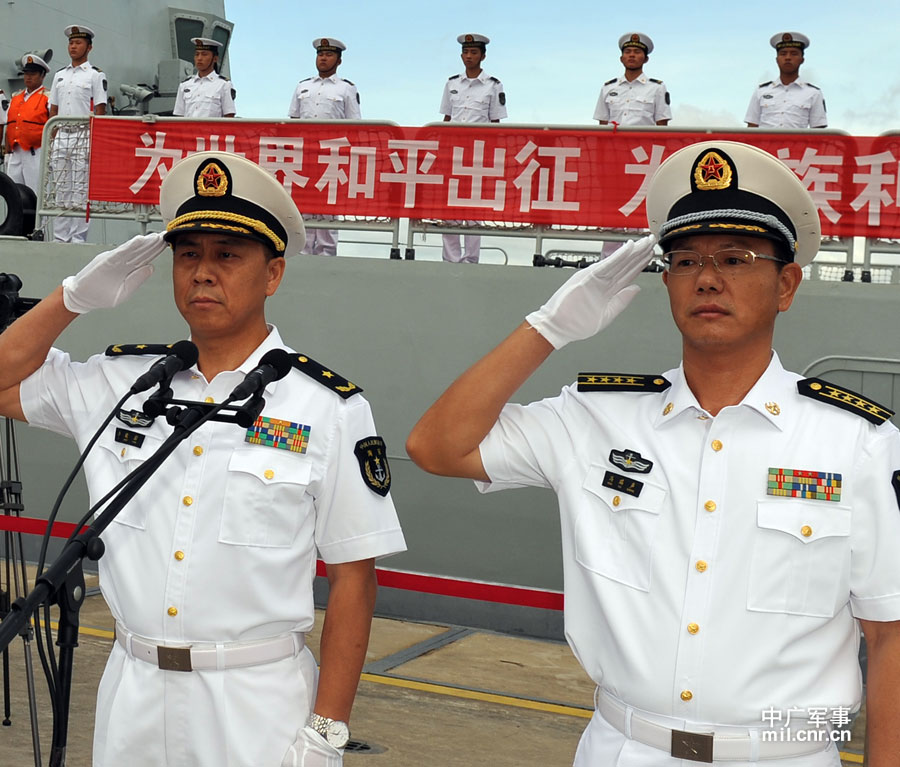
[(730, 261)]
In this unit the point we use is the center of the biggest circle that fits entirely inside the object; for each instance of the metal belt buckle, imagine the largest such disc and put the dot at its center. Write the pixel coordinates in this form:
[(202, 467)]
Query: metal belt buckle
[(695, 746), (179, 659)]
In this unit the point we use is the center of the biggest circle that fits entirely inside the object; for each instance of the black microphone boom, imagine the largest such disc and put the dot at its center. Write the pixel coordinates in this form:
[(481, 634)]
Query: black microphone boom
[(273, 366), (184, 355)]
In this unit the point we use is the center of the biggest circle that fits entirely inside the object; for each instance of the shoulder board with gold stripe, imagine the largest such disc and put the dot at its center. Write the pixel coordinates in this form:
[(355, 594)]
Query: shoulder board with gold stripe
[(621, 382), (654, 80), (817, 389), (119, 350), (328, 378)]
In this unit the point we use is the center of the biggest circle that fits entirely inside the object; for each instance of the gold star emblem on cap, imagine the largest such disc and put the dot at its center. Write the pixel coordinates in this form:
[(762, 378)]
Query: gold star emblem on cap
[(712, 172), (212, 181)]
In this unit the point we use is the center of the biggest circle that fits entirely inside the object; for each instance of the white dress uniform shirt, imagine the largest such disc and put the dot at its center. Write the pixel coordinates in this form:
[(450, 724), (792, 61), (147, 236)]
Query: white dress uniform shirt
[(642, 101), (473, 99), (797, 105), (208, 96), (698, 596), (325, 98), (219, 546), (76, 91), (4, 105)]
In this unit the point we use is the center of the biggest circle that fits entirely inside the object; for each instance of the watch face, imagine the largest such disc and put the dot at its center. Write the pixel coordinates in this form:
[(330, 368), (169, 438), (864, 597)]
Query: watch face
[(337, 734)]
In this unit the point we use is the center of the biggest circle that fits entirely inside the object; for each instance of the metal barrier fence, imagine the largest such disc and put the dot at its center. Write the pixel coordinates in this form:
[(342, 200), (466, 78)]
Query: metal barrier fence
[(64, 193)]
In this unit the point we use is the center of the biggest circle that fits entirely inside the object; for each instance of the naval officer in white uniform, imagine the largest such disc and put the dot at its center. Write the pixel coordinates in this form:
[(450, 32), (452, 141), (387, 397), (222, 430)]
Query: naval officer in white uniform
[(208, 571), (727, 526), (206, 93), (325, 97), (787, 102)]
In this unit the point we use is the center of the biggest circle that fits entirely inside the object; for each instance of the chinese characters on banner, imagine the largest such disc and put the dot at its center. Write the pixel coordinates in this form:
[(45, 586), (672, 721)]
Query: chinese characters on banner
[(569, 177)]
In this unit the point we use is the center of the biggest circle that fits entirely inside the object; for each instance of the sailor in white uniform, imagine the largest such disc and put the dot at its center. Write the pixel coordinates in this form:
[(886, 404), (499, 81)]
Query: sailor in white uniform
[(325, 97), (78, 90), (633, 98), (206, 93), (787, 102), (472, 96)]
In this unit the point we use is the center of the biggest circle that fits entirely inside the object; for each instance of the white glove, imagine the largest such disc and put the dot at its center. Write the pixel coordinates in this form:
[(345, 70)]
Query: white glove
[(310, 749), (591, 299), (112, 276)]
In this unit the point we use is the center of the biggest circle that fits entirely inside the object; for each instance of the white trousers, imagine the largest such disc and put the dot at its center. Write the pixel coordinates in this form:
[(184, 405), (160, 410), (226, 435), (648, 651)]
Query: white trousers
[(602, 745), (69, 168), (23, 167), (452, 251), (239, 717)]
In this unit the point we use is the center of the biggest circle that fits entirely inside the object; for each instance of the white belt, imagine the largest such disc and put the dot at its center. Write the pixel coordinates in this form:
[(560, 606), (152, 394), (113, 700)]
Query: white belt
[(697, 745), (203, 657)]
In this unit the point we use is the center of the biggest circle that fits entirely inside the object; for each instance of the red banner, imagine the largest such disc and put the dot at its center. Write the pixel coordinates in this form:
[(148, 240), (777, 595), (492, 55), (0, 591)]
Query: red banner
[(575, 177)]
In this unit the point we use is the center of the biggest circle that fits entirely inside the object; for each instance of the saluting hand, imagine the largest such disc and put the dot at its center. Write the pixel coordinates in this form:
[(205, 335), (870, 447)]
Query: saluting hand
[(591, 299), (112, 276), (312, 750)]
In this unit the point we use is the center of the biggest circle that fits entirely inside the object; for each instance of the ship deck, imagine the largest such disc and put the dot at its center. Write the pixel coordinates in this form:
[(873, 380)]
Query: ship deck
[(431, 694)]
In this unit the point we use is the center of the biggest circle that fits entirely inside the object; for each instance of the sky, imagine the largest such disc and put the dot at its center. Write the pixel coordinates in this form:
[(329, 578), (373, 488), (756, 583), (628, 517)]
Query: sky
[(553, 57)]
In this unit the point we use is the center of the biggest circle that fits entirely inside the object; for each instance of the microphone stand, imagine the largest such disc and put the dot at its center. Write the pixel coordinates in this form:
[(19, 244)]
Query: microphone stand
[(63, 582)]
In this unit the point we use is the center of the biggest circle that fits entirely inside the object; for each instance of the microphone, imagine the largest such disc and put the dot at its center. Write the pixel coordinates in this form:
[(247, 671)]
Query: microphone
[(273, 366), (183, 355)]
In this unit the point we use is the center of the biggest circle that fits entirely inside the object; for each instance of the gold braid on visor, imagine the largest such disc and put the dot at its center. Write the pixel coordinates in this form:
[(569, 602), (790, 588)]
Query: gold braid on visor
[(220, 215)]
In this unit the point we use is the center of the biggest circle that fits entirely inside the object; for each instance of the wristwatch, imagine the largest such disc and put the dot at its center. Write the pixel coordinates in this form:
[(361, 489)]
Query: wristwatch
[(336, 733)]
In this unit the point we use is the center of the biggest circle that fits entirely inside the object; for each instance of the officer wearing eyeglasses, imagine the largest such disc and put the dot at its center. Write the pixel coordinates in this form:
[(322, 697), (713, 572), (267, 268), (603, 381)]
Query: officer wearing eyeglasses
[(727, 526)]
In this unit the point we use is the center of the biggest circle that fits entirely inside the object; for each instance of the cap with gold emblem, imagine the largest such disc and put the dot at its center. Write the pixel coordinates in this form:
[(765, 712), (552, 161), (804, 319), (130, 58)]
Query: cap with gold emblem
[(720, 187), (206, 44), (636, 40), (789, 40), (328, 44), (75, 31), (473, 41), (33, 63), (218, 192)]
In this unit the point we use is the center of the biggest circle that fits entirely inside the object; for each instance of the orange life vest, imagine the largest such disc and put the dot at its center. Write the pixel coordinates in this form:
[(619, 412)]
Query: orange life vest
[(25, 119)]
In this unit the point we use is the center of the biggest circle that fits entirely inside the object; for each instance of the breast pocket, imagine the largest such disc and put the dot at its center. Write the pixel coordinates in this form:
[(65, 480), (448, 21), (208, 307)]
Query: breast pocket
[(615, 530), (801, 558), (125, 457), (265, 497)]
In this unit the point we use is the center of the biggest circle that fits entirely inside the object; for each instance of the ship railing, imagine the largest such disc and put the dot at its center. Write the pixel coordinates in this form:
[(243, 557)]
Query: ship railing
[(65, 182)]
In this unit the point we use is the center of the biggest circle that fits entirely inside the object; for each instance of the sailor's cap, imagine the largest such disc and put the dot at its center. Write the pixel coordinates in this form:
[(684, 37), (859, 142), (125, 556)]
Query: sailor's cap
[(34, 63), (79, 30), (789, 40), (206, 44), (328, 44), (223, 193), (725, 187), (473, 41), (636, 40)]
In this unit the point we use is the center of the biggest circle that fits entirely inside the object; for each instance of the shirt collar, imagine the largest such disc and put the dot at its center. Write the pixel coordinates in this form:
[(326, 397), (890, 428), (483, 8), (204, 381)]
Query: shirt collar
[(332, 78), (82, 65), (271, 341), (767, 397), (641, 78), (483, 77)]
